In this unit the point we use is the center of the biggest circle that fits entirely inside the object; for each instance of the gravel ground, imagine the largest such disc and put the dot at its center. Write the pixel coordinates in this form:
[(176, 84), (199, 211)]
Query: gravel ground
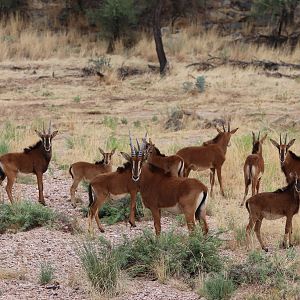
[(22, 254)]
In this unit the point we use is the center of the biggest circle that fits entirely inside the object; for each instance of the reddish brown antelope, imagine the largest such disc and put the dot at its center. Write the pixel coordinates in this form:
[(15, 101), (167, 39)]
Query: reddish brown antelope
[(34, 159), (254, 166), (87, 171), (161, 191), (289, 161), (274, 205), (172, 164), (209, 156), (114, 185)]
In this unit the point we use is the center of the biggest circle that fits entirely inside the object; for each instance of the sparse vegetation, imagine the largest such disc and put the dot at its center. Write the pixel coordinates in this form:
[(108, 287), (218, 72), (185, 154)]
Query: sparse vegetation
[(218, 287), (46, 273), (77, 99)]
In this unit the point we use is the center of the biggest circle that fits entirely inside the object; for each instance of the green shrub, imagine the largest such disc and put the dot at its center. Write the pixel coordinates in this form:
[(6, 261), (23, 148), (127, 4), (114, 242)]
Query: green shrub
[(218, 287), (101, 265), (200, 83), (274, 270), (137, 124), (111, 122), (77, 99), (100, 64), (183, 255), (24, 215), (46, 273)]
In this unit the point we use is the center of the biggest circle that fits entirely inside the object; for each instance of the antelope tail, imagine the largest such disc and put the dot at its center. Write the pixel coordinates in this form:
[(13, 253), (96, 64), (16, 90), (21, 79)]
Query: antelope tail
[(91, 198), (248, 174), (181, 169), (2, 173), (201, 205), (70, 171)]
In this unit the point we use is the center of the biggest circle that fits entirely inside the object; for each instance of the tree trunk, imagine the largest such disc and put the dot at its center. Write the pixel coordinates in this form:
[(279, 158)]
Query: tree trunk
[(158, 39)]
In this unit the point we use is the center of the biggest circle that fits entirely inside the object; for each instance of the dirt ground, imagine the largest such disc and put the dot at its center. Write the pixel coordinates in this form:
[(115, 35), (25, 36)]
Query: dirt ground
[(90, 112)]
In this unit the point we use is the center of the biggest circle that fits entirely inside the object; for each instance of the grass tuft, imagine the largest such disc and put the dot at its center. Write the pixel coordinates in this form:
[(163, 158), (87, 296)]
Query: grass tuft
[(46, 273)]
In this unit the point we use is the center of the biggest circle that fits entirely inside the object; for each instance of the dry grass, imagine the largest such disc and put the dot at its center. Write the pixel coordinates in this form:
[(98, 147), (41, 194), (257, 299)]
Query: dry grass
[(255, 102)]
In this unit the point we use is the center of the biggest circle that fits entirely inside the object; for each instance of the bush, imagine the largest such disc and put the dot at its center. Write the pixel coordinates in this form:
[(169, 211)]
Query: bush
[(24, 215), (218, 287), (46, 273), (275, 270), (150, 256), (182, 255), (101, 265)]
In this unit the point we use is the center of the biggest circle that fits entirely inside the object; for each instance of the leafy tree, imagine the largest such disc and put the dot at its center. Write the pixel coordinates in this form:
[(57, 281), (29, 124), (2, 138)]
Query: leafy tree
[(117, 18), (7, 6), (279, 12)]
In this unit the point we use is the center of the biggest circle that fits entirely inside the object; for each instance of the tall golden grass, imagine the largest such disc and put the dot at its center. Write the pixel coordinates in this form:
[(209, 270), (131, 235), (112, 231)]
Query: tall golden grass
[(21, 40)]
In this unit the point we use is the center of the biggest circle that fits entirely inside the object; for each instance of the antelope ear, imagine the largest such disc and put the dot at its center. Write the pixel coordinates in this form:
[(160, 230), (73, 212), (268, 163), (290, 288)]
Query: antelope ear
[(233, 131), (54, 133), (126, 156), (101, 151), (39, 133), (275, 143), (290, 144), (263, 139), (113, 151)]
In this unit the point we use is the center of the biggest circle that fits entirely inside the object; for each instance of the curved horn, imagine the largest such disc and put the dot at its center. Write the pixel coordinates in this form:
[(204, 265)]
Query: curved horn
[(133, 152), (228, 126), (138, 144), (223, 127), (258, 135), (49, 129), (144, 142), (280, 142), (285, 139)]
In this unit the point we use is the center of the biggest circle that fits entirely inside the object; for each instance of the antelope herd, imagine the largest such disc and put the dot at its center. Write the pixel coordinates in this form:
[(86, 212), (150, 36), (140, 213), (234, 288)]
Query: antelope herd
[(163, 181)]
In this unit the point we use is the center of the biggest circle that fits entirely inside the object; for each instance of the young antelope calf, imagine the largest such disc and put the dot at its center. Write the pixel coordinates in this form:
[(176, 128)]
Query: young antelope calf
[(87, 171), (254, 166), (172, 164), (274, 205)]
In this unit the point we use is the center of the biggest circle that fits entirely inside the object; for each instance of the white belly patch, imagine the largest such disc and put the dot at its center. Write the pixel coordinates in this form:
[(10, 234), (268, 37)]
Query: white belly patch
[(270, 216), (117, 197)]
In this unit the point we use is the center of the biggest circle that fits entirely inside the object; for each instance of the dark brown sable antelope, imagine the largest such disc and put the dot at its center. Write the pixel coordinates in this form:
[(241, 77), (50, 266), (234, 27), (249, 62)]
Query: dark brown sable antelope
[(114, 185), (34, 159), (211, 155), (289, 161), (173, 164), (161, 191), (87, 171), (274, 205), (254, 166)]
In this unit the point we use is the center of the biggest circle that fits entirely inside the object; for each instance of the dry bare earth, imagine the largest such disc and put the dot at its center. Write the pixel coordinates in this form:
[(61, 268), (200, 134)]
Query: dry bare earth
[(26, 96)]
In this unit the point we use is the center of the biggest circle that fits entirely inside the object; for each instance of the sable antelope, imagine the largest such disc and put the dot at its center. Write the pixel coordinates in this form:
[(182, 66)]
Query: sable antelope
[(172, 164), (289, 161), (209, 156), (87, 171), (274, 205), (254, 166), (34, 159), (162, 191), (114, 185)]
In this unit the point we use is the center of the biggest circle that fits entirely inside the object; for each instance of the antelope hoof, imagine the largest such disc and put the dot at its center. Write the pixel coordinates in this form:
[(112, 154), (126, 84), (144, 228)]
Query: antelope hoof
[(74, 205), (101, 229), (291, 245), (43, 203), (284, 245), (132, 224), (266, 249)]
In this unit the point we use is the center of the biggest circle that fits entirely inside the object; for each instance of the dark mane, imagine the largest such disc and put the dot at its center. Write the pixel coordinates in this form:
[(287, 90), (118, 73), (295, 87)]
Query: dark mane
[(213, 141), (159, 153), (126, 166), (294, 156), (35, 146), (289, 187), (255, 148), (99, 162), (155, 169)]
